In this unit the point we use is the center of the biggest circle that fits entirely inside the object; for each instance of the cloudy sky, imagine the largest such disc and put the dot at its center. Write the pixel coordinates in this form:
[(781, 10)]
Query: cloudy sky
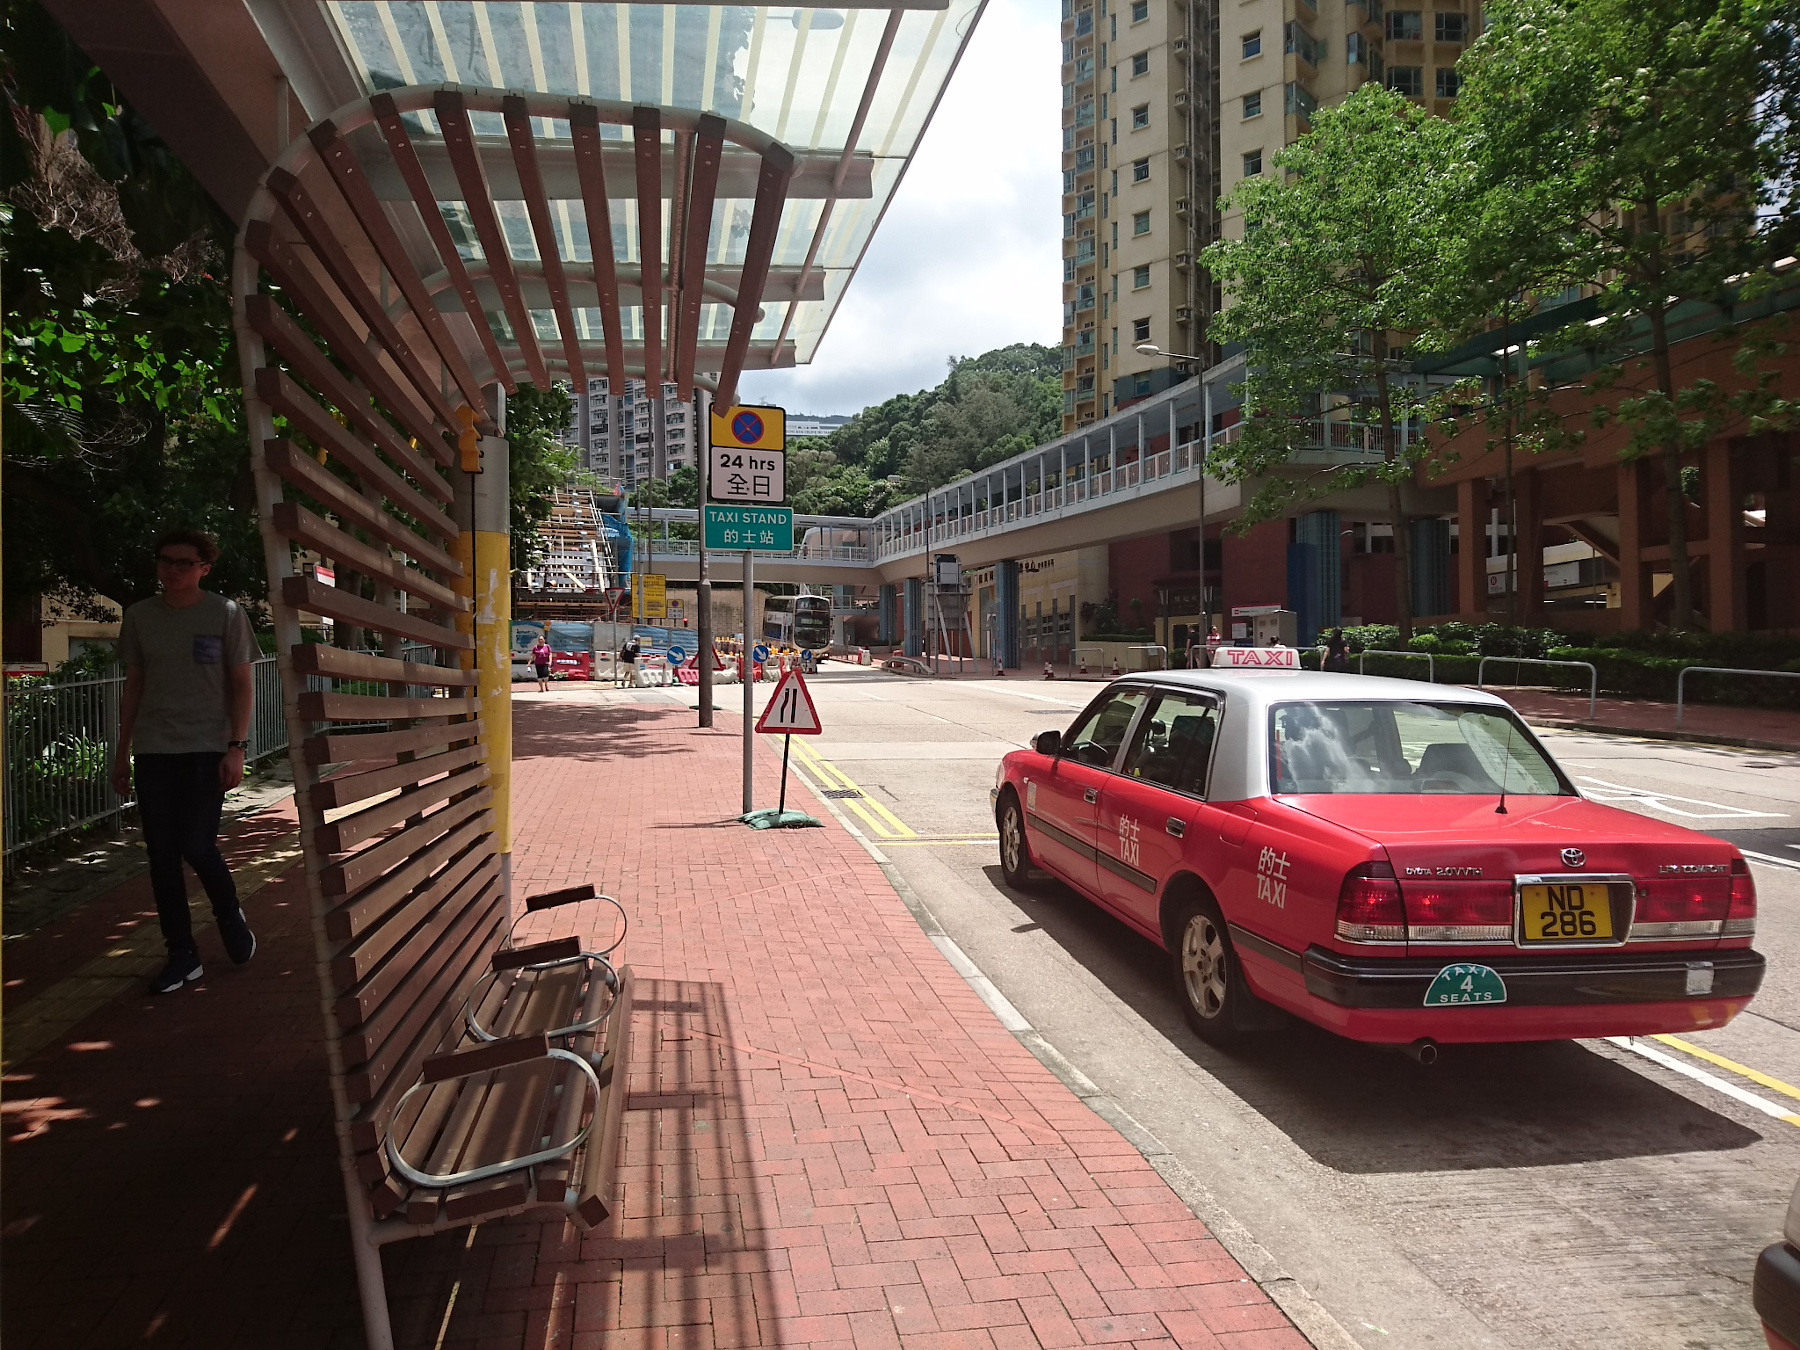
[(969, 257)]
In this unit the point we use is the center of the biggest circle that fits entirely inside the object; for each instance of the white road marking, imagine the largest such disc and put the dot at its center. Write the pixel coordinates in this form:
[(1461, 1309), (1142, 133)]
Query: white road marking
[(1659, 801), (1770, 860), (1039, 698), (1713, 1081)]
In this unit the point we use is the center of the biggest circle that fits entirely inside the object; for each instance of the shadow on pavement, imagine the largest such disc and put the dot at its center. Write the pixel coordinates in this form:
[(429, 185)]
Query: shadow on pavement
[(1359, 1109)]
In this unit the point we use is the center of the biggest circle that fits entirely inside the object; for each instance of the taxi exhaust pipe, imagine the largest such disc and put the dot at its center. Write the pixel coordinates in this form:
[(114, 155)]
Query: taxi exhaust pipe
[(1423, 1051)]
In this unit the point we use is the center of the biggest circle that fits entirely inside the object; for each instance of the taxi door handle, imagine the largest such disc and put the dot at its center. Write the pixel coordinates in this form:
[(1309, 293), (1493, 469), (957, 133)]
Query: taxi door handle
[(1091, 796), (1175, 827)]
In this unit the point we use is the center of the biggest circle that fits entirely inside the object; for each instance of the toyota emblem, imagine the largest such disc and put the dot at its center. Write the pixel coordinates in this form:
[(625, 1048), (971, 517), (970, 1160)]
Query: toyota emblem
[(1573, 857)]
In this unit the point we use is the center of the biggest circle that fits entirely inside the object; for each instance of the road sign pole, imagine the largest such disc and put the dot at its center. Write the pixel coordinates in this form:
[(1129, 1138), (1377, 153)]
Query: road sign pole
[(703, 634), (786, 741), (749, 667)]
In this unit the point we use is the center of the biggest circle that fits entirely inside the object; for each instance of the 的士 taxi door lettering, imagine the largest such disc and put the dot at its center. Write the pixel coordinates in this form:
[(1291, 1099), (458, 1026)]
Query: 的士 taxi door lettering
[(1271, 877), (1128, 841)]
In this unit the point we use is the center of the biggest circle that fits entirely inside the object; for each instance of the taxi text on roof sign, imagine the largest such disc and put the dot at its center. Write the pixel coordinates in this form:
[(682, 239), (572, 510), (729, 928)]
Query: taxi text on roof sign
[(755, 529), (1256, 658), (750, 428)]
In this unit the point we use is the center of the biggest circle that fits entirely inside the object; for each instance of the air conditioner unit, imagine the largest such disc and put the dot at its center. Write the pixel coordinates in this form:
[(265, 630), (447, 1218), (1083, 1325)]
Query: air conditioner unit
[(1181, 206), (1183, 314), (1181, 153), (1183, 261), (1181, 100), (1179, 46)]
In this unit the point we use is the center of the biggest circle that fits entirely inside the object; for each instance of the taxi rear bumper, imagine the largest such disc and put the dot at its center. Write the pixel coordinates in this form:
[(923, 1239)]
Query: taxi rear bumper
[(1539, 981)]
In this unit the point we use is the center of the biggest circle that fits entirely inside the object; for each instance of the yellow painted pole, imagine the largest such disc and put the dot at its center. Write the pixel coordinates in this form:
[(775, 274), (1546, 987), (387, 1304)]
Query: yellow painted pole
[(484, 548)]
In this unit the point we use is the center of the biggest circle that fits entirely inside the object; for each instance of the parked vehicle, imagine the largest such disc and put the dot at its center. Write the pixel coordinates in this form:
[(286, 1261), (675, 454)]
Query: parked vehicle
[(1395, 864)]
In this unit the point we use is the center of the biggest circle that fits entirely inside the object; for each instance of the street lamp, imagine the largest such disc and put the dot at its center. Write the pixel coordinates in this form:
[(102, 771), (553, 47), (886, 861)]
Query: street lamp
[(1151, 349)]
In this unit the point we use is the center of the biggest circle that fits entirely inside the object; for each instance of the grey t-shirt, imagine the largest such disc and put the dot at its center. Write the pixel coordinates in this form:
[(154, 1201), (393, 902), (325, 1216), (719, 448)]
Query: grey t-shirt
[(184, 654)]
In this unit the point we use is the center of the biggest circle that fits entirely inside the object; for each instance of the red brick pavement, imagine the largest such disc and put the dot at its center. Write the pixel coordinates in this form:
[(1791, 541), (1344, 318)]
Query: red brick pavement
[(1763, 728), (830, 1141)]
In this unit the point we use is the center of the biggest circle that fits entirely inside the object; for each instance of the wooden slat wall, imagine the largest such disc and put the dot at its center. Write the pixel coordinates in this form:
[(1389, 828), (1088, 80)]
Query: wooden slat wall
[(355, 443)]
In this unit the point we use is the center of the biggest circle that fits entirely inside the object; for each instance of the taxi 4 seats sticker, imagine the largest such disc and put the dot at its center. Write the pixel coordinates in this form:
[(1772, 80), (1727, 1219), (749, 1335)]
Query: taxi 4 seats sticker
[(1455, 986)]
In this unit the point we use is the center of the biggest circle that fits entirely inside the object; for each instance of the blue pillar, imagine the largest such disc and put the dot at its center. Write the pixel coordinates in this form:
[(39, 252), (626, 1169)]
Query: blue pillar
[(915, 616), (1320, 529), (1430, 567), (1303, 591), (890, 604), (1006, 611)]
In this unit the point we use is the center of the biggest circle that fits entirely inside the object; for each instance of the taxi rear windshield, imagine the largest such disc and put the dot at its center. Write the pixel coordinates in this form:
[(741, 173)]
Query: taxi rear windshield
[(1393, 748)]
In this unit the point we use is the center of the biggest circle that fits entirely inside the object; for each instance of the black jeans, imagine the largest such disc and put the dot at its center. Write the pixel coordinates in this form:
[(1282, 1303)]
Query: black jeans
[(178, 806)]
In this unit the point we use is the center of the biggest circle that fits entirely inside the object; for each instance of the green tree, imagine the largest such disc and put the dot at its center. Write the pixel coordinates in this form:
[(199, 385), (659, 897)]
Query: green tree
[(1641, 128), (538, 464), (1340, 244)]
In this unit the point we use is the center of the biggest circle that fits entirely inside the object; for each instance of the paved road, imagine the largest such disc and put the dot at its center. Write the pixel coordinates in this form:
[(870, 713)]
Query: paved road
[(1563, 1195)]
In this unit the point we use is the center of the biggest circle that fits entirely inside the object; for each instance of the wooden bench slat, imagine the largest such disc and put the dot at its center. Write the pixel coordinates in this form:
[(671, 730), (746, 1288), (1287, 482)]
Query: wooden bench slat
[(308, 530), (515, 1049), (569, 895), (402, 1028), (312, 596), (557, 949), (365, 865), (373, 905), (413, 928), (321, 658), (345, 833), (553, 1178), (349, 788), (317, 706), (305, 474), (595, 1203)]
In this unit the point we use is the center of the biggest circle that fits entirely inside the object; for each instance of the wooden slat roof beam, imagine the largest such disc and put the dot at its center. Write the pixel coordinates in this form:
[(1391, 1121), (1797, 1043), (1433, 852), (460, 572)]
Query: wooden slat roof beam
[(537, 207), (590, 166), (646, 134), (709, 147), (771, 196)]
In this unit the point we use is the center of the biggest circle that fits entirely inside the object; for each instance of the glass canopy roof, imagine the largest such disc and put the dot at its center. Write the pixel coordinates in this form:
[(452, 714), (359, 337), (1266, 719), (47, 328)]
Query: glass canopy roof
[(799, 74)]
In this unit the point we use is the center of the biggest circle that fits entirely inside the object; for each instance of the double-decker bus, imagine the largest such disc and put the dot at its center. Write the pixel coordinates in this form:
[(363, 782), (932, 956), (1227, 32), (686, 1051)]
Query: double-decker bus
[(802, 621)]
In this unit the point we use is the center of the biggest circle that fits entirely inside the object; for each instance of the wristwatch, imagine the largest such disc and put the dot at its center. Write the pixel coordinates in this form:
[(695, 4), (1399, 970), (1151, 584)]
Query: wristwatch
[(238, 745)]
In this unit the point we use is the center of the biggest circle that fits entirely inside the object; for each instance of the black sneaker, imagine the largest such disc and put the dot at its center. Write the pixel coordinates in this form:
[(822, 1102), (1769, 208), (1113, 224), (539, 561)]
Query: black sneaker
[(183, 968), (240, 942)]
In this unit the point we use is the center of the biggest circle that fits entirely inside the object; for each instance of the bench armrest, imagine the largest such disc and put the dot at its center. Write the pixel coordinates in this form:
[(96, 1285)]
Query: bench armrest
[(556, 949), (569, 895), (493, 1055)]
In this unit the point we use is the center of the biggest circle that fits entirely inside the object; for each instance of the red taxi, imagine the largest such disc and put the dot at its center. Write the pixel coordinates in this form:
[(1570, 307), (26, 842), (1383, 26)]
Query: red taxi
[(1397, 862)]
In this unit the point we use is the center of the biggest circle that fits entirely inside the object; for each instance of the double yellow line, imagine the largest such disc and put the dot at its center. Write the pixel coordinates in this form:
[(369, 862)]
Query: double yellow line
[(1732, 1066), (884, 825)]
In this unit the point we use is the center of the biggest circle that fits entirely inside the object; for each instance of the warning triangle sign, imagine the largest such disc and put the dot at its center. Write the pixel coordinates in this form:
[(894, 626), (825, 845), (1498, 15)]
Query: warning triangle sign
[(790, 711)]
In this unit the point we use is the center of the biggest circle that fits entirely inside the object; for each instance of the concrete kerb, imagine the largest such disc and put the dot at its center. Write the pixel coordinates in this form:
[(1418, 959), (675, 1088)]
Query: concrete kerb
[(1308, 1315), (1659, 734)]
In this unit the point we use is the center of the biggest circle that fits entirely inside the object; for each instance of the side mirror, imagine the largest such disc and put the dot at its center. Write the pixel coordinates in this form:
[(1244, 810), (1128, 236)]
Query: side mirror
[(1047, 743)]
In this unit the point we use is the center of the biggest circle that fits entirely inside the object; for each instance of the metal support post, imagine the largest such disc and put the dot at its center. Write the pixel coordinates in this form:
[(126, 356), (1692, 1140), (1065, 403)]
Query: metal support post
[(749, 659), (703, 631)]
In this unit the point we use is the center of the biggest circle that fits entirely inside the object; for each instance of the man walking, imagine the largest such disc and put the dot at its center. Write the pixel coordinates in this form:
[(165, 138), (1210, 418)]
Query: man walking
[(185, 724)]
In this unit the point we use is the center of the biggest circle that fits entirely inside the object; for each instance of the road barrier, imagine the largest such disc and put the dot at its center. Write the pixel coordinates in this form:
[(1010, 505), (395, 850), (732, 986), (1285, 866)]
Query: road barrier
[(1593, 677), (1681, 681)]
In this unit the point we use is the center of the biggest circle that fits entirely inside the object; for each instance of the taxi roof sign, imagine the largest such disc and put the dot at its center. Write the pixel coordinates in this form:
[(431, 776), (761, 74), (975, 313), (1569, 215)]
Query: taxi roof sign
[(1256, 658), (750, 428)]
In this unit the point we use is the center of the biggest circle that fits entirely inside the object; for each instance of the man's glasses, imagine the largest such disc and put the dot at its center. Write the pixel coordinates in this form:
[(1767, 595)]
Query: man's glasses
[(178, 564)]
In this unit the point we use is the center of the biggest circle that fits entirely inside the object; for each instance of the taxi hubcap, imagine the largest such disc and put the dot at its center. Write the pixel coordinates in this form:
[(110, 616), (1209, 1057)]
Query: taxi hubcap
[(1010, 840), (1203, 965)]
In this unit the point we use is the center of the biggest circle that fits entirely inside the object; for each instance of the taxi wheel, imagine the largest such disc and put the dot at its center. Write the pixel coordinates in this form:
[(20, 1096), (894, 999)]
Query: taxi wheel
[(1015, 852), (1214, 998)]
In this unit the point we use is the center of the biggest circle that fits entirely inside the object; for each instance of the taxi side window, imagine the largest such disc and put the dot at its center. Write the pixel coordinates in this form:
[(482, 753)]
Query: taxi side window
[(1097, 737), (1174, 744)]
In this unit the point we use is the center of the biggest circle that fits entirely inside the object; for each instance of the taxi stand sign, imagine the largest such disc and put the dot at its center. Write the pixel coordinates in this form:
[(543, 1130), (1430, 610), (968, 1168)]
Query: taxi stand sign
[(748, 529)]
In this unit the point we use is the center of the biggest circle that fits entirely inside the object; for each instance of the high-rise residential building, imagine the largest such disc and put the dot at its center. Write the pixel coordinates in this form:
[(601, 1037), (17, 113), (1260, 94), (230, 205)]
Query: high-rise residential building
[(1140, 177), (1167, 105), (628, 457)]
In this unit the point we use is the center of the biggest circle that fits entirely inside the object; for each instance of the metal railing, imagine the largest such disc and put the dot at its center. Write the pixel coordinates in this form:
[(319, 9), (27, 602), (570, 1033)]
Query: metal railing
[(1593, 677), (1681, 681), (1430, 660)]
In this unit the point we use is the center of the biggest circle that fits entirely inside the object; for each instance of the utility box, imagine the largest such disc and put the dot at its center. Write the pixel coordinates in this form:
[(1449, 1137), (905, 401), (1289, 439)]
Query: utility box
[(1277, 628)]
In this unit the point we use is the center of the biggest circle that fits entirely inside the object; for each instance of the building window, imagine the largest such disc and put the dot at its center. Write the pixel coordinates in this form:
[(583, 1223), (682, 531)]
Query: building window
[(1405, 25), (1140, 223), (1140, 10), (1140, 117), (1253, 105), (1253, 164), (1140, 64), (1140, 277), (1140, 170), (1252, 44), (1408, 80), (1140, 330), (1452, 27), (1449, 83)]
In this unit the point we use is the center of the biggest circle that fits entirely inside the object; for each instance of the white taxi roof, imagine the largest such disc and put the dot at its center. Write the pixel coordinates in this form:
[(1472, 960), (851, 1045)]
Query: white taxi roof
[(1241, 755)]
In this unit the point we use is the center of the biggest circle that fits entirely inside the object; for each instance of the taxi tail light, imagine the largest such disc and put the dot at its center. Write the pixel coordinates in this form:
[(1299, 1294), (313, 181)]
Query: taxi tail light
[(1459, 911), (1685, 900), (1369, 907), (1740, 919)]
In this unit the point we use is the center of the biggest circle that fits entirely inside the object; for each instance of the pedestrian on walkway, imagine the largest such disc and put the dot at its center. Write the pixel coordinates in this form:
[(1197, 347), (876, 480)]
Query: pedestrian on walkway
[(185, 725), (540, 658), (1337, 652), (625, 670)]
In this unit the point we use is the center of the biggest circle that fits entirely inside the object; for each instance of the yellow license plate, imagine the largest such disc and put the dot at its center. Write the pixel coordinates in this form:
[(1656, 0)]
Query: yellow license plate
[(1572, 912)]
